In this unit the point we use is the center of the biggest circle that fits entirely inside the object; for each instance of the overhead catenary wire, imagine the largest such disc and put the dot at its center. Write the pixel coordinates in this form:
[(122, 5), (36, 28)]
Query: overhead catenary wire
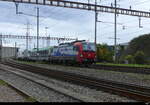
[(102, 0)]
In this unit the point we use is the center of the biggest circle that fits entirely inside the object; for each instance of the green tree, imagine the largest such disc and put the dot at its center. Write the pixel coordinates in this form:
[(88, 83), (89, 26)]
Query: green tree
[(130, 59), (139, 57), (141, 43), (104, 53)]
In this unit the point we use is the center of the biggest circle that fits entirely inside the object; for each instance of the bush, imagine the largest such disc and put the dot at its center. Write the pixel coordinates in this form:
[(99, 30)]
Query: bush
[(141, 43), (139, 57), (130, 59), (103, 53)]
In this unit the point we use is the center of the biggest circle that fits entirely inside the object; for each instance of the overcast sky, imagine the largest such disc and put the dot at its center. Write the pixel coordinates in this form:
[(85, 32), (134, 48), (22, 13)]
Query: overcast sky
[(73, 23)]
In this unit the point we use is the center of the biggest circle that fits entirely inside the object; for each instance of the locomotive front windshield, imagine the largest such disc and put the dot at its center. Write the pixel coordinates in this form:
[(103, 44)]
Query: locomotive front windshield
[(89, 47)]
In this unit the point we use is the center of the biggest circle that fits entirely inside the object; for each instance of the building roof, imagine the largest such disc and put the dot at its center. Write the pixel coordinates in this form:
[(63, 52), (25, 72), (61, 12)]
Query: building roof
[(124, 44)]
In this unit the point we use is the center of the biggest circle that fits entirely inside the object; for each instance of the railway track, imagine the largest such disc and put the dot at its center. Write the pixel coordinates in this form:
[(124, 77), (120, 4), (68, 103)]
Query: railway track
[(131, 91), (20, 92), (139, 70), (126, 69), (29, 77)]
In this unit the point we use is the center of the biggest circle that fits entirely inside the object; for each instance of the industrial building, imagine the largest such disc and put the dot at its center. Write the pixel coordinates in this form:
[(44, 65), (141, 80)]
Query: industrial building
[(8, 52)]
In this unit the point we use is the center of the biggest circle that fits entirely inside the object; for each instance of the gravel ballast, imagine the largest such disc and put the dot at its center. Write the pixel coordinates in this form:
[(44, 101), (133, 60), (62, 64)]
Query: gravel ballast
[(7, 94), (132, 78), (37, 91), (98, 96)]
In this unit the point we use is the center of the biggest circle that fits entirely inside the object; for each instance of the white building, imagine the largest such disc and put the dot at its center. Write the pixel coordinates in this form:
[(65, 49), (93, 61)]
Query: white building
[(8, 52)]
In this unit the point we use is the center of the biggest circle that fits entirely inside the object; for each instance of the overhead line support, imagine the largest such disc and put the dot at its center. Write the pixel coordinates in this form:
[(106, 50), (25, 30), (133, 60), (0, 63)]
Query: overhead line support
[(34, 37), (85, 6), (95, 22), (37, 30), (115, 33), (1, 47)]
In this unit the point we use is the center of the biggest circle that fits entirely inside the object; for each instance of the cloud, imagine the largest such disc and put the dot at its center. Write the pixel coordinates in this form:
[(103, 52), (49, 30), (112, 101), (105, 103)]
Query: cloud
[(64, 22)]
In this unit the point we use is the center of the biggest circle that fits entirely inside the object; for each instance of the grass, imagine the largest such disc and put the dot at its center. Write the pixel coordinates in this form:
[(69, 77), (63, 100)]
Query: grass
[(127, 65), (31, 99), (3, 82)]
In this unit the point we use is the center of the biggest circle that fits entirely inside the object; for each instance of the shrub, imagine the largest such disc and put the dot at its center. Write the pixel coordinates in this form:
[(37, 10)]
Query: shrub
[(139, 57), (103, 53), (130, 59)]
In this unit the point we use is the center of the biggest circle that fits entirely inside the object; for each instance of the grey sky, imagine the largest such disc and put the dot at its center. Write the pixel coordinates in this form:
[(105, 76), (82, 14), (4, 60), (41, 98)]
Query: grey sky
[(64, 22)]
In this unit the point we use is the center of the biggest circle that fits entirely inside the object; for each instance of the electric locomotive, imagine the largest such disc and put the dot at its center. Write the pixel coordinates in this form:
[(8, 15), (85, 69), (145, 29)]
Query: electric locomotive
[(80, 52)]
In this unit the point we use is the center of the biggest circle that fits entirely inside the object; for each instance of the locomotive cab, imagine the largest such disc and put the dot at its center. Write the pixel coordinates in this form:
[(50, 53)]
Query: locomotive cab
[(86, 52)]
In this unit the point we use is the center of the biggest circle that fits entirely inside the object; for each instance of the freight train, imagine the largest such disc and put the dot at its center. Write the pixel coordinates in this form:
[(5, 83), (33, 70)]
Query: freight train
[(79, 52)]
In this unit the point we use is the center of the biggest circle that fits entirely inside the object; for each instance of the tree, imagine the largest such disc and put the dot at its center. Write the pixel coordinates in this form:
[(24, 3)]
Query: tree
[(130, 59), (141, 43), (139, 57), (104, 53)]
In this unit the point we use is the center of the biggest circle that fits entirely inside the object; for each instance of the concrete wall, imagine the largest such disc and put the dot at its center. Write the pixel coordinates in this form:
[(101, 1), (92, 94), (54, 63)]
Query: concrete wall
[(8, 52)]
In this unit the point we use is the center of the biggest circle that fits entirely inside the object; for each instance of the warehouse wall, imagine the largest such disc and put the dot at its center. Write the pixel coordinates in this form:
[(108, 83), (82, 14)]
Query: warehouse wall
[(8, 52)]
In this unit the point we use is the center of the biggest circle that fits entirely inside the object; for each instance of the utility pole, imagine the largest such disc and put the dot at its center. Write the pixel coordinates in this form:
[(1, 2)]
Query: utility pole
[(16, 4), (37, 31), (115, 33), (47, 36), (34, 46), (15, 50), (27, 35), (49, 40), (140, 26), (1, 47), (96, 14)]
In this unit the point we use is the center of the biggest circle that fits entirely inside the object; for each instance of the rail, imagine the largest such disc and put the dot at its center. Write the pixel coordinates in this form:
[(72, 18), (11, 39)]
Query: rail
[(139, 70), (136, 92)]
